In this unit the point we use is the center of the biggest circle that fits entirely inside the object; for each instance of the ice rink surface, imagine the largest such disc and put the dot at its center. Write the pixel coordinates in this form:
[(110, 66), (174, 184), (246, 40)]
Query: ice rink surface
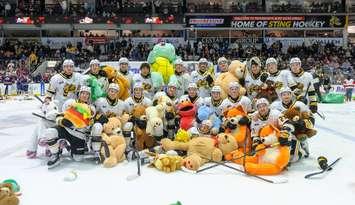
[(219, 186)]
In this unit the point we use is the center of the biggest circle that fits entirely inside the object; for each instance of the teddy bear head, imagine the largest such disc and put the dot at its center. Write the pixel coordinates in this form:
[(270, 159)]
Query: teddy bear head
[(170, 112), (156, 125), (7, 195), (138, 110), (113, 126), (238, 69), (226, 143)]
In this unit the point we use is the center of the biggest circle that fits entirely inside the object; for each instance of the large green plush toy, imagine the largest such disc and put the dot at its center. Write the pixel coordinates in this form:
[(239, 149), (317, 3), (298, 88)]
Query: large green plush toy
[(161, 59)]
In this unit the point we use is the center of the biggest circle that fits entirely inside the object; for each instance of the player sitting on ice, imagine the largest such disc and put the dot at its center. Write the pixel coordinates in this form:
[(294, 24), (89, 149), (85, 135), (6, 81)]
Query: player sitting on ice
[(215, 101), (138, 98), (263, 116), (74, 126), (111, 106), (234, 99), (202, 129), (299, 147), (49, 111)]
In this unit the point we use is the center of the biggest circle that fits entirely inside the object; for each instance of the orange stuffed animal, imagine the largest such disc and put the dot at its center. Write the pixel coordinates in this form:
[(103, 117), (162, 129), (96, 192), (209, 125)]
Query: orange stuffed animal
[(267, 161), (240, 132)]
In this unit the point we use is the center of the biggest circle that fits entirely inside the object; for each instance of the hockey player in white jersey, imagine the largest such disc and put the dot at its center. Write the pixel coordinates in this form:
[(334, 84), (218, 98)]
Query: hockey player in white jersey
[(252, 79), (123, 69), (192, 95), (234, 99), (111, 106), (64, 85), (77, 137), (299, 148), (287, 100), (215, 101), (145, 78), (180, 78), (49, 110), (137, 98), (203, 78), (263, 116), (222, 63), (279, 78), (305, 90)]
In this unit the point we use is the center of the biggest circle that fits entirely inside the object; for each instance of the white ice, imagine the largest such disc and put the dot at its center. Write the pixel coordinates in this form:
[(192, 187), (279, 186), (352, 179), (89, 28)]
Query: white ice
[(98, 185)]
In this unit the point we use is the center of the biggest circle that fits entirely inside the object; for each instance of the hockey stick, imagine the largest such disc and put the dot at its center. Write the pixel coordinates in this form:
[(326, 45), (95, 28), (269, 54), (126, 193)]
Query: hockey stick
[(243, 156), (103, 143), (38, 98), (252, 175), (135, 152), (321, 115)]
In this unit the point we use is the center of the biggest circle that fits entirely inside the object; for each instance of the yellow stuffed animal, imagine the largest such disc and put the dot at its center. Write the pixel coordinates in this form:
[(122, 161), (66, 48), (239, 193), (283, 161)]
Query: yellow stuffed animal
[(115, 77), (7, 195), (236, 73), (202, 149), (182, 136), (112, 135), (166, 163)]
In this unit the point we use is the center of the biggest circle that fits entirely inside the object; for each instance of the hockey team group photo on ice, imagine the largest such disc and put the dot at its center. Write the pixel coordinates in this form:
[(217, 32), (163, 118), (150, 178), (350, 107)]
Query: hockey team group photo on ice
[(179, 102)]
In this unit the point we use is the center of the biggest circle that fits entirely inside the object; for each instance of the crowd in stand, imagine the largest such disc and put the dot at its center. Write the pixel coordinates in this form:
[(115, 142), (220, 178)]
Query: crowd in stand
[(334, 60)]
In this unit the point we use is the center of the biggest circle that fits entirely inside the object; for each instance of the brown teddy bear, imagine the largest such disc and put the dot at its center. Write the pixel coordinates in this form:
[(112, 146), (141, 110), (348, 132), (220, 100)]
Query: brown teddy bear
[(301, 121), (202, 149), (7, 195), (143, 140), (112, 135), (236, 73)]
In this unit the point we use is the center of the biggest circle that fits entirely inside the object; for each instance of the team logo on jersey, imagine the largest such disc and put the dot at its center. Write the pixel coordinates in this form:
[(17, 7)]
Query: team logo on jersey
[(68, 88)]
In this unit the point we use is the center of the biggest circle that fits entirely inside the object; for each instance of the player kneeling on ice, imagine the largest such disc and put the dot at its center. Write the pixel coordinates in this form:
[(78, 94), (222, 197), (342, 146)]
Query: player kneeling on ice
[(298, 120), (76, 127), (49, 111), (271, 156)]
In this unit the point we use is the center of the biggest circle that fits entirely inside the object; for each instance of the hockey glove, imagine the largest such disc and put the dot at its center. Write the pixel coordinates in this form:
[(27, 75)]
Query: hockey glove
[(313, 107), (66, 123), (102, 119), (263, 77), (244, 121), (102, 73)]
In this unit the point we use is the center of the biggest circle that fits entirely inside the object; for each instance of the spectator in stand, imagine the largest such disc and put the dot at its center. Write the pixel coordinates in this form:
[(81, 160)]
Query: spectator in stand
[(349, 86)]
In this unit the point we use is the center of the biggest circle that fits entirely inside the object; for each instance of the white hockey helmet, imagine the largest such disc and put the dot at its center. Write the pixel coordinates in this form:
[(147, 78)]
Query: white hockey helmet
[(113, 86), (203, 60), (192, 85), (262, 101), (270, 60), (285, 89), (172, 84), (178, 62), (216, 89), (68, 62), (222, 60), (233, 85), (94, 62), (208, 123), (138, 85), (85, 89), (123, 60), (295, 60)]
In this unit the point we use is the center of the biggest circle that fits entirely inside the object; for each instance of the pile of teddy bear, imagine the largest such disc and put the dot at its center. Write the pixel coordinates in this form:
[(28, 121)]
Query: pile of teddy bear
[(184, 136)]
